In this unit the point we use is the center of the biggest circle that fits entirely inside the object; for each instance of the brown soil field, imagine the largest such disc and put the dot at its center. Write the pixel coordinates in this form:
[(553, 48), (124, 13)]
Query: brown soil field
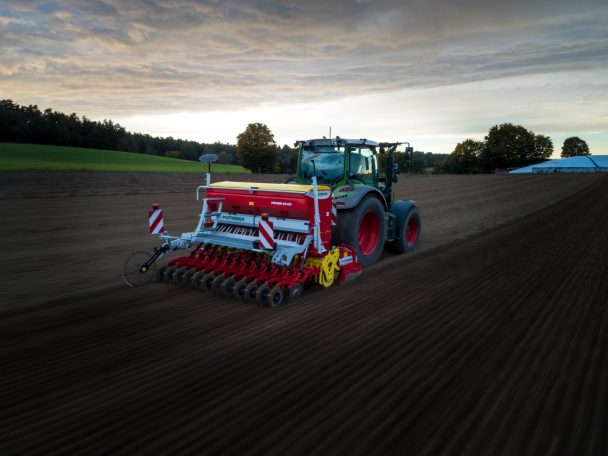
[(491, 339)]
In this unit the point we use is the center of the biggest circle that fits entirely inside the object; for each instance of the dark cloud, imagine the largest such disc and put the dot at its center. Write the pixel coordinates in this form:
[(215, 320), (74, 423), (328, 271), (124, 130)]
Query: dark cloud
[(161, 56)]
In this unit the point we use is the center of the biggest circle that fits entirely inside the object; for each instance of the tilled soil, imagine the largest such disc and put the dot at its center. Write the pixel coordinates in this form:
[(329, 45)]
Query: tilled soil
[(491, 340)]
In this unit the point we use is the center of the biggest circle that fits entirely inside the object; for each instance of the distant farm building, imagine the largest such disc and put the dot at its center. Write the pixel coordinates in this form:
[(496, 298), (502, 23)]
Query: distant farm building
[(580, 164)]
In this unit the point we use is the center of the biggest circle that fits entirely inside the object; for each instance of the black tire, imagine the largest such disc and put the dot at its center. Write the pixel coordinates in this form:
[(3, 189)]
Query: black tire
[(168, 274), (410, 228), (350, 223), (178, 274), (207, 281), (160, 273), (251, 291), (261, 295), (195, 281), (276, 296), (296, 291), (228, 286), (216, 285), (187, 277), (239, 290)]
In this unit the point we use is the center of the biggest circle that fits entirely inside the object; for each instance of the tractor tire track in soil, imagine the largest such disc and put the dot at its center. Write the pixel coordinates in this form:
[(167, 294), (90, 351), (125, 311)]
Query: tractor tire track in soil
[(497, 344)]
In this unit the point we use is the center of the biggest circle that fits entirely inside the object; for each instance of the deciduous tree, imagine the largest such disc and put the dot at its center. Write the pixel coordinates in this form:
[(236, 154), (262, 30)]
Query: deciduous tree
[(257, 149), (574, 146)]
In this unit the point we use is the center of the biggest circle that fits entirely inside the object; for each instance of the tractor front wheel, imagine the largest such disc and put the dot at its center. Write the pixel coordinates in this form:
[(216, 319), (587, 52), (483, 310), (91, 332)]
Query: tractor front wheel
[(364, 228)]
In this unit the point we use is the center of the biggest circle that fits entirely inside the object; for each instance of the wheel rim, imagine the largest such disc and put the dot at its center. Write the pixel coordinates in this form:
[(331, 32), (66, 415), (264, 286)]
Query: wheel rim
[(412, 231), (369, 233)]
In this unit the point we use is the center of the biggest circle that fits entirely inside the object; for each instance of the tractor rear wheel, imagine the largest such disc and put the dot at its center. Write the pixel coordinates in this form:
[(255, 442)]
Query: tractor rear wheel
[(364, 228)]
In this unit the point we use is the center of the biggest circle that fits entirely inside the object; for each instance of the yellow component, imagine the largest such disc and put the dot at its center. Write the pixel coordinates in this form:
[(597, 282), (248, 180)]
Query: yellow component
[(251, 203), (265, 186), (328, 266)]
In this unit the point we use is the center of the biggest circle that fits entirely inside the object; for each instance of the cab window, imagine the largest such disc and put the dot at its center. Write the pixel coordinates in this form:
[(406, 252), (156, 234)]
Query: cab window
[(363, 164)]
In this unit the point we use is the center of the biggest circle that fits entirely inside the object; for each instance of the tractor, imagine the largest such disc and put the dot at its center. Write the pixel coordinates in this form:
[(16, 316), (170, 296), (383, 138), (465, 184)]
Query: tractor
[(264, 242), (368, 217)]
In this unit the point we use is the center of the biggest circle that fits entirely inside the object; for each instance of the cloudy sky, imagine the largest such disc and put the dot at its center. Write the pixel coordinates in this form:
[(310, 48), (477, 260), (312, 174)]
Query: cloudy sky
[(433, 72)]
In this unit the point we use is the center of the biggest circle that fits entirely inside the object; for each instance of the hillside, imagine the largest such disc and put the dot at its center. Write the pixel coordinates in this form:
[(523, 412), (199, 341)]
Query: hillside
[(19, 157)]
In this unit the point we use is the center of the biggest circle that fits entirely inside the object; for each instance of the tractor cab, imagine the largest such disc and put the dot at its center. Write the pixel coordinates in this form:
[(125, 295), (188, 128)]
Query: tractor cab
[(346, 164), (368, 217), (336, 161)]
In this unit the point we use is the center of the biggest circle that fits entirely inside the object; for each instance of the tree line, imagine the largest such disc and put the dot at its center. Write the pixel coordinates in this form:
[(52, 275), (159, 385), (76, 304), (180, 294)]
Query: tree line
[(28, 124), (505, 146)]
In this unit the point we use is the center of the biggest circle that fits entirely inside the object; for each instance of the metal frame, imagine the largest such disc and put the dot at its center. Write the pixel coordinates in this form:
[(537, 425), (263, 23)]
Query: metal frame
[(284, 251)]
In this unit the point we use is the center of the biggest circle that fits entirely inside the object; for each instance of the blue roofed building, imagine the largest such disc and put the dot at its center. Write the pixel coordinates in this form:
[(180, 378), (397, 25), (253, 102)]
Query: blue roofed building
[(580, 164)]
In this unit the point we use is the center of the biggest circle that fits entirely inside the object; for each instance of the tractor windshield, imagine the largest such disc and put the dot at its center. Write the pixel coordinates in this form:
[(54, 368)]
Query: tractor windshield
[(326, 162)]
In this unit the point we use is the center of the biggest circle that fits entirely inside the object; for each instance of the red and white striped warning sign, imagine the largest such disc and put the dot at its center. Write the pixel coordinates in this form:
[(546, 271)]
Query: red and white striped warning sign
[(266, 234), (156, 220), (334, 215)]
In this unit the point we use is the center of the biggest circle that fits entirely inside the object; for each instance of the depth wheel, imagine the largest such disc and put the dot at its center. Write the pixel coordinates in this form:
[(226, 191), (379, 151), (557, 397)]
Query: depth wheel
[(207, 281), (276, 296), (178, 274), (296, 291), (239, 290), (160, 273), (168, 275), (132, 274), (195, 281), (261, 296), (216, 285), (251, 291), (187, 277), (227, 287)]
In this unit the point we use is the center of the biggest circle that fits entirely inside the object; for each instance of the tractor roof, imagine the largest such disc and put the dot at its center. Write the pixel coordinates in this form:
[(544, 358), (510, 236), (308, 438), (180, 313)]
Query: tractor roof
[(337, 141)]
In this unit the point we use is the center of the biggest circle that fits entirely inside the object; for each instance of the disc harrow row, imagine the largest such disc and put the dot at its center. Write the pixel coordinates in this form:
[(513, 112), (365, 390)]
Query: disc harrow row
[(245, 275)]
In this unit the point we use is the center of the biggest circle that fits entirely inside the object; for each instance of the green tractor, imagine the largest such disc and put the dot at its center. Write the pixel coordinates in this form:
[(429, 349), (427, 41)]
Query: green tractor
[(368, 216)]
